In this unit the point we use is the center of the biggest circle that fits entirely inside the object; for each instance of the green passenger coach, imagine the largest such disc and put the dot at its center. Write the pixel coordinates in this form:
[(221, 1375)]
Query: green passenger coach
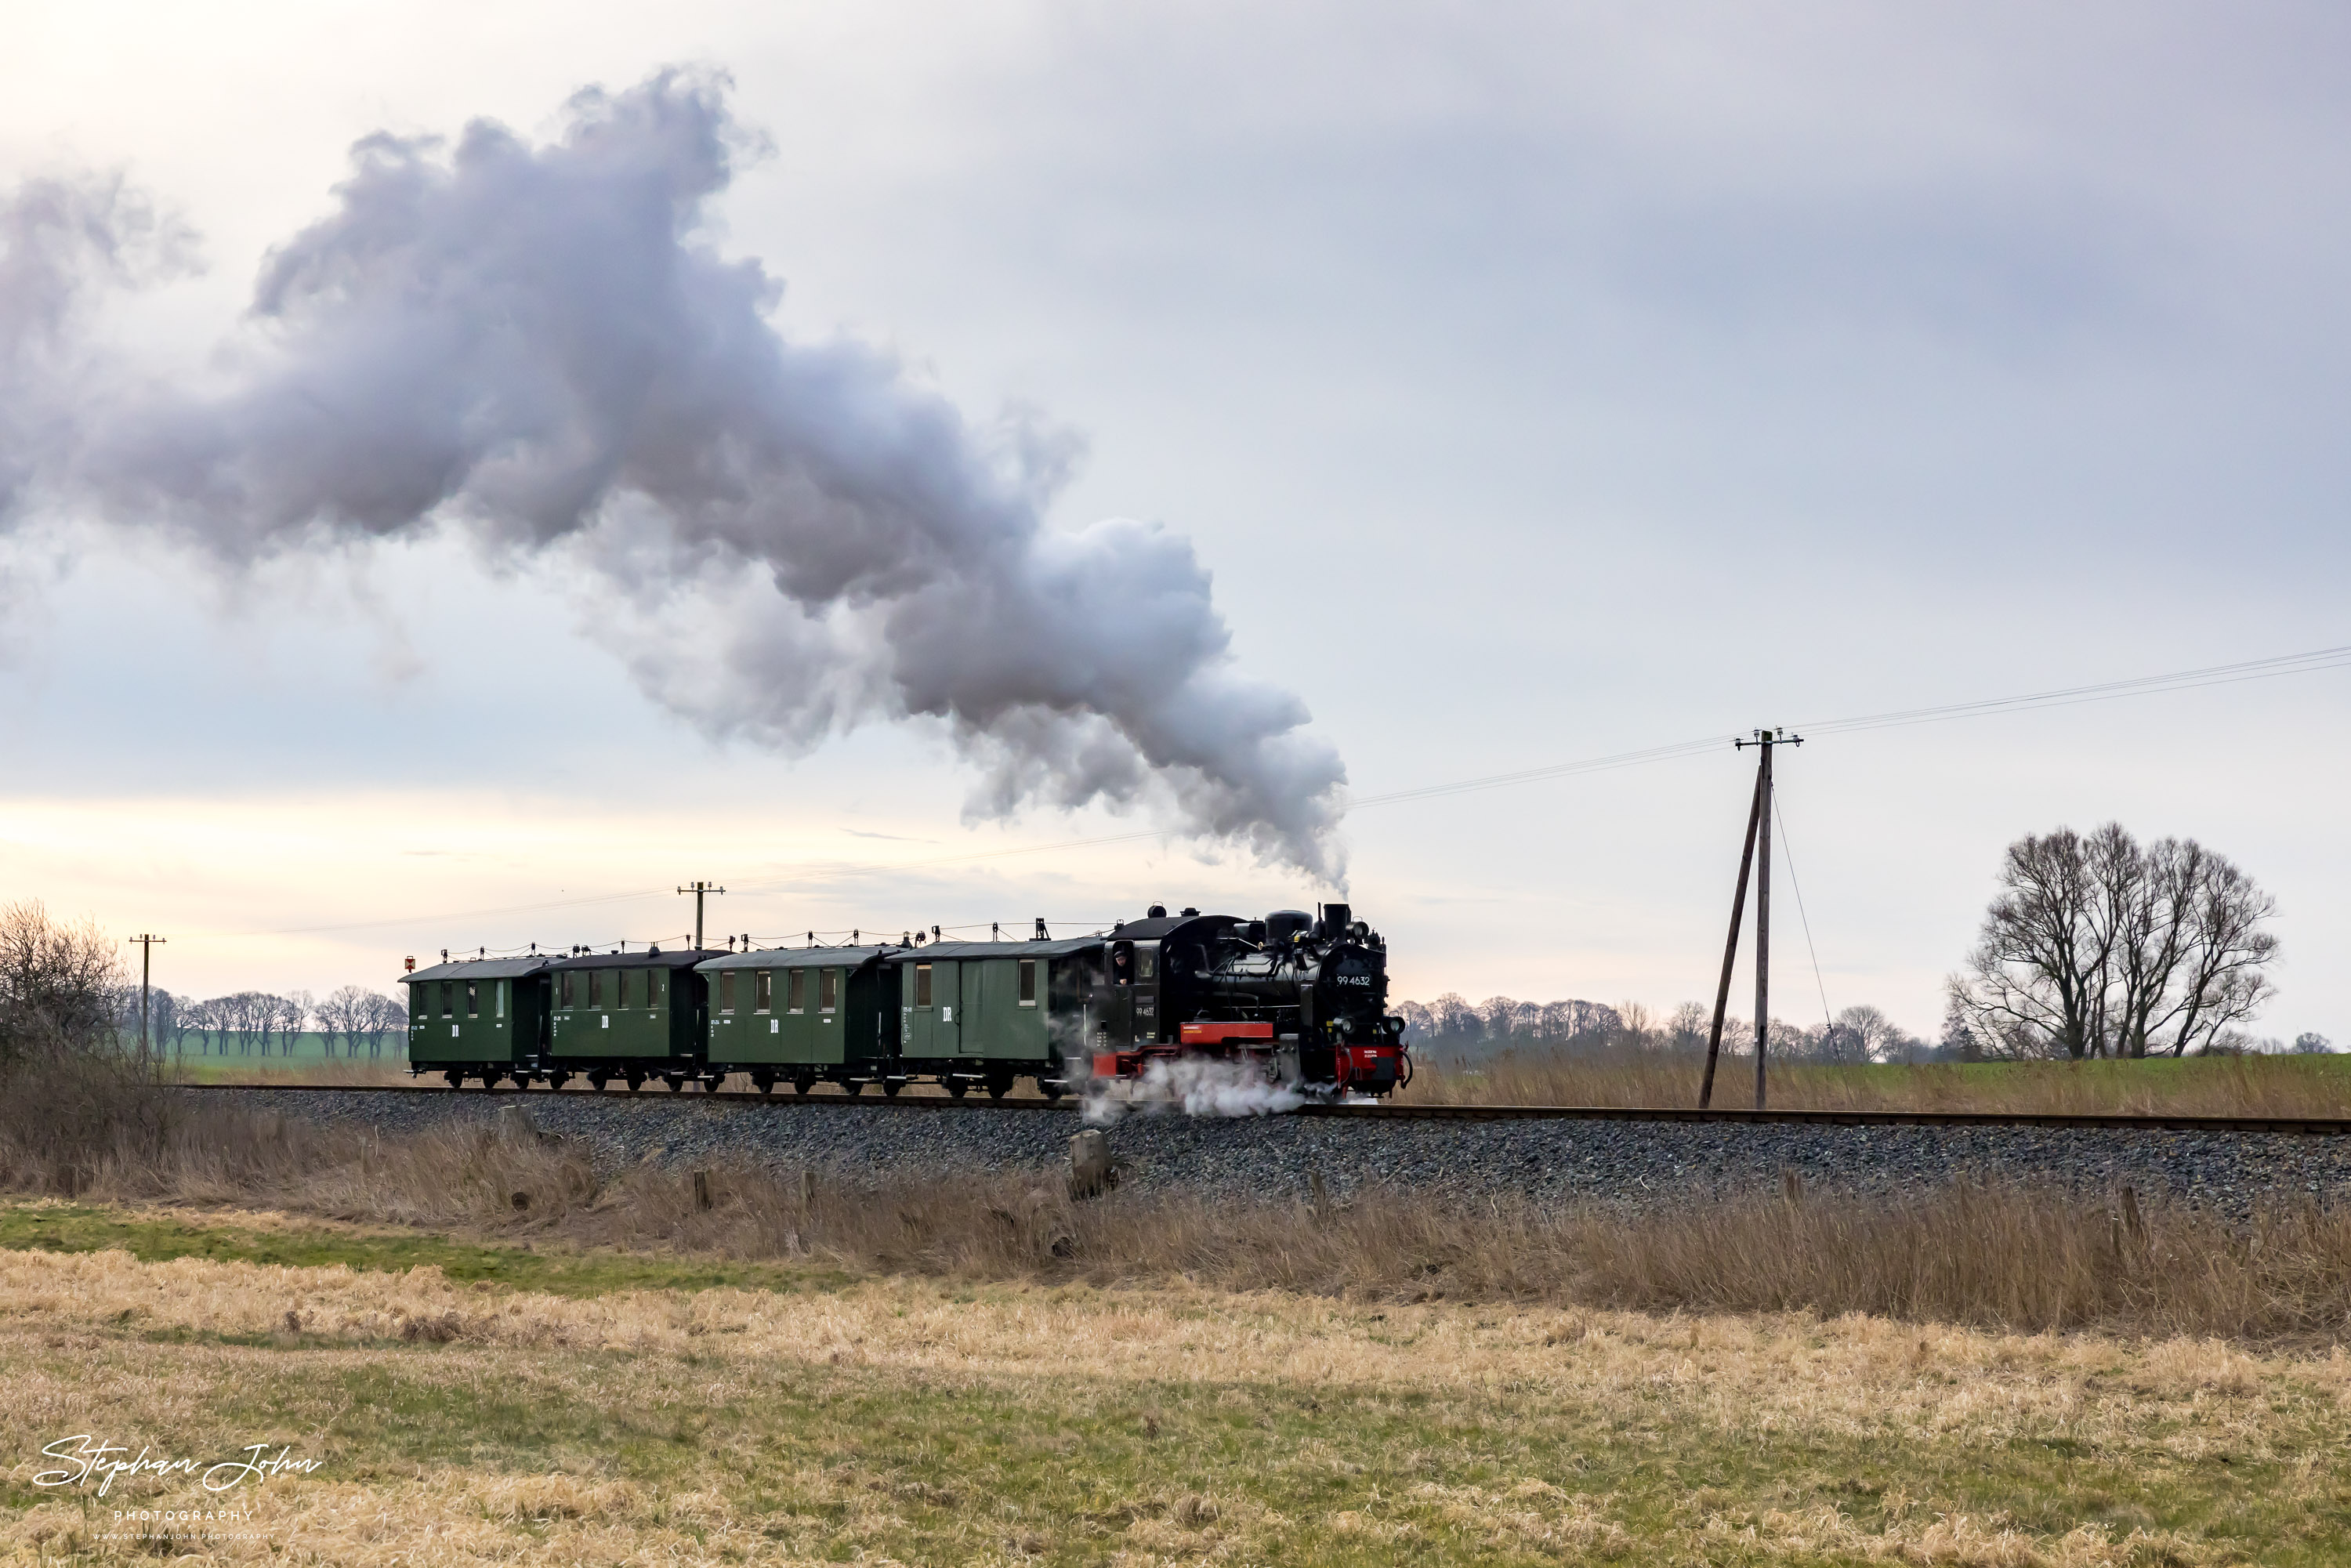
[(481, 1017), (628, 1016), (803, 1014)]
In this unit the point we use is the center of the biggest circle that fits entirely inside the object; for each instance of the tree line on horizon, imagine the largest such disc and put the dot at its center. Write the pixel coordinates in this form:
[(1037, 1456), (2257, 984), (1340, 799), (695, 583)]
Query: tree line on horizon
[(2094, 945), (351, 1017)]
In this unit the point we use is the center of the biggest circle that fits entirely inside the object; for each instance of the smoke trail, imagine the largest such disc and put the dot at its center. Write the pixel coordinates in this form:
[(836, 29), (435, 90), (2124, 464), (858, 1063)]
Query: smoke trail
[(1195, 1085), (540, 345)]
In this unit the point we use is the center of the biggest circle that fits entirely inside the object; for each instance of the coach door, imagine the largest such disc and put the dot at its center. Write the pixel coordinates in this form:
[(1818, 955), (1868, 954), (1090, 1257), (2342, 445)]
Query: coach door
[(947, 1011), (973, 1009)]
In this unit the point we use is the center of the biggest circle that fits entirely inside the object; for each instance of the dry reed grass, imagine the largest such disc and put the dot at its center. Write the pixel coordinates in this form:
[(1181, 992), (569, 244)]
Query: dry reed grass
[(1478, 1393), (2018, 1257), (2210, 1086)]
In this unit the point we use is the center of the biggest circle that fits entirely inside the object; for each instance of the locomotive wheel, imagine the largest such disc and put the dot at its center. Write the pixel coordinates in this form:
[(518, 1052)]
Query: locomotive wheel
[(1050, 1087), (957, 1088)]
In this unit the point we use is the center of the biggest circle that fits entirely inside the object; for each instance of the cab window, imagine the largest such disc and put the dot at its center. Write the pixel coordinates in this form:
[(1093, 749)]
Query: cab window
[(828, 989), (1146, 963), (1028, 982)]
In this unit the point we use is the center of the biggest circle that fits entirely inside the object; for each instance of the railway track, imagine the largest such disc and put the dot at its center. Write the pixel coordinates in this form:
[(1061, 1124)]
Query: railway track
[(2313, 1126)]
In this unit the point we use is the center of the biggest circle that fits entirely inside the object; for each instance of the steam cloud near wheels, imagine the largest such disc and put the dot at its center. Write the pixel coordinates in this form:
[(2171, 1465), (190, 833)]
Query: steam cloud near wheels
[(540, 345)]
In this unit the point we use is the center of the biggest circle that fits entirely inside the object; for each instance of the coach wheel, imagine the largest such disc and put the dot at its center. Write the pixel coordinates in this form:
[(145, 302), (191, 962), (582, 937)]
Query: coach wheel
[(998, 1086), (636, 1082), (853, 1087), (802, 1083), (889, 1087), (765, 1082), (676, 1081), (456, 1079), (957, 1088), (597, 1081)]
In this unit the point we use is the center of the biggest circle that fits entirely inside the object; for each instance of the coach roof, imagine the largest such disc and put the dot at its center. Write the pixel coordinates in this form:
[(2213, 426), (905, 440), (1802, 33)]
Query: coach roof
[(795, 958), (481, 969)]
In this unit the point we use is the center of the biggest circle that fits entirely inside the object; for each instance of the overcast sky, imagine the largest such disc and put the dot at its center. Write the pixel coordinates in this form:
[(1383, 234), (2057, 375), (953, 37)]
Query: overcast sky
[(1537, 384)]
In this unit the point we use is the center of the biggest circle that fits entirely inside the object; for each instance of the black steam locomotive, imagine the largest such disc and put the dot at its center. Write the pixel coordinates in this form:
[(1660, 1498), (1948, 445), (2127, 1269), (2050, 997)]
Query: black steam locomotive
[(1300, 998)]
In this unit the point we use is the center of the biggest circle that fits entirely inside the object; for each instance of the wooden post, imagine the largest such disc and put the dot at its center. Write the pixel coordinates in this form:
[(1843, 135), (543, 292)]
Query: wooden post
[(1762, 914), (1731, 948), (702, 1189)]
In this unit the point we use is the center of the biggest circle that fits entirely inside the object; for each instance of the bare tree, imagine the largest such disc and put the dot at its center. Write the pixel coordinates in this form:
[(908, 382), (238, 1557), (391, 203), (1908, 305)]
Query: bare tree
[(2311, 1043), (384, 1017), (293, 1017), (60, 988), (344, 1015), (2098, 947)]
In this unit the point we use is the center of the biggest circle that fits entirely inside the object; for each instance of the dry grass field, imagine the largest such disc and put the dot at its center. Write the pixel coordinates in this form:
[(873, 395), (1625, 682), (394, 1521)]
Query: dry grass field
[(485, 1350), (2208, 1086), (550, 1406)]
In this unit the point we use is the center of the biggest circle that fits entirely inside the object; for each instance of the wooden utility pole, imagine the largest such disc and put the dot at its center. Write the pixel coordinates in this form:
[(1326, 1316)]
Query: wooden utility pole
[(1759, 838), (146, 970), (1731, 950), (698, 890)]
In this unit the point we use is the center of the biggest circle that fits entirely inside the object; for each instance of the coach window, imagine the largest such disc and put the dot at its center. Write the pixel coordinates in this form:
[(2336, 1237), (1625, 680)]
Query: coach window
[(726, 990), (502, 998), (828, 987), (763, 991), (795, 990), (655, 979), (922, 985), (563, 989), (448, 998), (595, 987), (1028, 982)]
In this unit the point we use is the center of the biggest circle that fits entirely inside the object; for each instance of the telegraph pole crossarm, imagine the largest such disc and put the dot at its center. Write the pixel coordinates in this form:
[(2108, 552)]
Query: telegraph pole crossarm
[(699, 890)]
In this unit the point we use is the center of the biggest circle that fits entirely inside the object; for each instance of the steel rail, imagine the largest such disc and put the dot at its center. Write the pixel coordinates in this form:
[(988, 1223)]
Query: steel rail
[(2115, 1122)]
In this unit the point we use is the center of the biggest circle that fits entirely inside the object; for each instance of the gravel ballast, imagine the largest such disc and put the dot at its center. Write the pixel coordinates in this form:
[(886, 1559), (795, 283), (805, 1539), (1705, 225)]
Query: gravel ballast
[(1618, 1164)]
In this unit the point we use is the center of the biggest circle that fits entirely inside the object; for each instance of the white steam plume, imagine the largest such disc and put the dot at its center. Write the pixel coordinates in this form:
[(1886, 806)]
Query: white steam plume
[(542, 346), (1195, 1085)]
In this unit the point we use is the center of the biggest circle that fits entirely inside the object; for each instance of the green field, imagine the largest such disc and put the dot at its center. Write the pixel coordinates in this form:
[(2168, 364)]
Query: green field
[(309, 1051)]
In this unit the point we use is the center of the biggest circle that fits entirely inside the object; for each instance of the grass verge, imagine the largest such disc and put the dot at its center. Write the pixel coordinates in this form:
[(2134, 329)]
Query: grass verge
[(897, 1418)]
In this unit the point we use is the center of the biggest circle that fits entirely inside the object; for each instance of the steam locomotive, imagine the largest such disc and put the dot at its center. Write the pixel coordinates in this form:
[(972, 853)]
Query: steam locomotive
[(1297, 999)]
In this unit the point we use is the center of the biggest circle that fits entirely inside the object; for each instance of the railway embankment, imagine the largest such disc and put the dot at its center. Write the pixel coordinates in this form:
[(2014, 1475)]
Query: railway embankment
[(1615, 1164)]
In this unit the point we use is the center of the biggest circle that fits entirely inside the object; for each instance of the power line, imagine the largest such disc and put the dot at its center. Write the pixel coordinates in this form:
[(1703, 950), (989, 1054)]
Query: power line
[(2307, 662), (1788, 848)]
